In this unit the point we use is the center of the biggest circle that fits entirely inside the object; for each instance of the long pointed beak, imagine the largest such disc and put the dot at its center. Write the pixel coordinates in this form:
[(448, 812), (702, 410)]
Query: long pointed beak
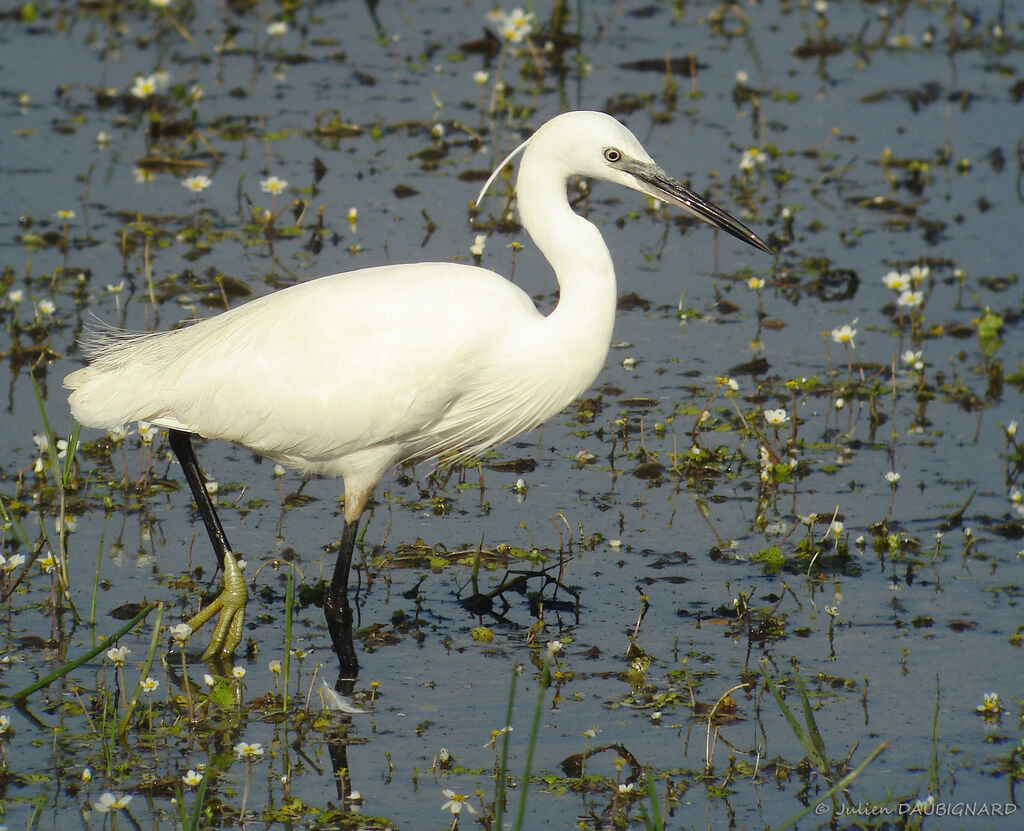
[(655, 182)]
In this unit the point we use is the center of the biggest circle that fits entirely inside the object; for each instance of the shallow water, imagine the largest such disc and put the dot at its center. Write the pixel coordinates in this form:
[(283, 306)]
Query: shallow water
[(892, 641)]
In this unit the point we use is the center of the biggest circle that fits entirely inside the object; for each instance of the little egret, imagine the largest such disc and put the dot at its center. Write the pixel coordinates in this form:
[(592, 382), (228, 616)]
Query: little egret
[(352, 373)]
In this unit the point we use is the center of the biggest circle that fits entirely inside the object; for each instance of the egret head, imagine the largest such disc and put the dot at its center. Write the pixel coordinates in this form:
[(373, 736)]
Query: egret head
[(596, 145)]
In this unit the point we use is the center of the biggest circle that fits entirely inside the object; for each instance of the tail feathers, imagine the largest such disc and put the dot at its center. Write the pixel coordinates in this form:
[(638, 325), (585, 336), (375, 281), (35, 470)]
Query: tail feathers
[(123, 378)]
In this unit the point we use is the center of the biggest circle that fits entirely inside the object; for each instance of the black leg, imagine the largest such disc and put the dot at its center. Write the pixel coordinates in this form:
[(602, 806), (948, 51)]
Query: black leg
[(181, 444), (336, 607)]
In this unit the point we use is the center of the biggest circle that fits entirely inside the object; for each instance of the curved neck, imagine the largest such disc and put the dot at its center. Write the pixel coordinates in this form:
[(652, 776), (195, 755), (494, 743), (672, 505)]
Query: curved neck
[(585, 314)]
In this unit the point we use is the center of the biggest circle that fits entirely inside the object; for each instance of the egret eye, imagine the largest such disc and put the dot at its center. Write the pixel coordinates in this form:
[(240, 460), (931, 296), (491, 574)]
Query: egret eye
[(612, 155)]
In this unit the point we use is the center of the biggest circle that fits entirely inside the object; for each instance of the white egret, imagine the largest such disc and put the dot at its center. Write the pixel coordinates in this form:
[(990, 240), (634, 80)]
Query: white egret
[(352, 373)]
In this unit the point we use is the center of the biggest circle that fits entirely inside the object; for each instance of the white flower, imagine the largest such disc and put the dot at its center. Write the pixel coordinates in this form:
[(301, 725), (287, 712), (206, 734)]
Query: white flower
[(820, 6), (109, 802), (741, 77), (896, 281), (1011, 429), (192, 778), (145, 85), (47, 307), (274, 667), (456, 802), (515, 26), (209, 680), (273, 185), (8, 564), (844, 334), (755, 283), (480, 77), (118, 655), (911, 299), (180, 633), (913, 359), (353, 215), (147, 432), (160, 4), (48, 563), (836, 528), (892, 477), (249, 752), (197, 183), (918, 274), (150, 685), (65, 214), (751, 159), (477, 248), (277, 28), (142, 175), (776, 418), (5, 725), (238, 673), (16, 295)]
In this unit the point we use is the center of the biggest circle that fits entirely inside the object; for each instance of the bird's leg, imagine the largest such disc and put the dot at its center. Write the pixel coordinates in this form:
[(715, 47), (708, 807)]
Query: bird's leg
[(230, 603), (337, 610)]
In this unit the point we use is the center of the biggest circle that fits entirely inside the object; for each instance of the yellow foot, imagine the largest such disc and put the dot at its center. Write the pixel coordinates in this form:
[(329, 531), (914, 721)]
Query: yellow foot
[(231, 604)]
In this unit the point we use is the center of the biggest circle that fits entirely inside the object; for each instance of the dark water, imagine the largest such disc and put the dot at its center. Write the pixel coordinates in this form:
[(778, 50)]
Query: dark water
[(892, 138)]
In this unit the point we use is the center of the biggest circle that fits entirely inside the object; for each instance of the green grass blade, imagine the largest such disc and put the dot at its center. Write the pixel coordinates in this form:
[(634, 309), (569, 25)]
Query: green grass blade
[(154, 642), (531, 745), (838, 787), (87, 656), (820, 758)]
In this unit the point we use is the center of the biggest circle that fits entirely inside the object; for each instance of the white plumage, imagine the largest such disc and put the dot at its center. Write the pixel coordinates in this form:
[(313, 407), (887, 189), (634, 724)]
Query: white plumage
[(348, 374)]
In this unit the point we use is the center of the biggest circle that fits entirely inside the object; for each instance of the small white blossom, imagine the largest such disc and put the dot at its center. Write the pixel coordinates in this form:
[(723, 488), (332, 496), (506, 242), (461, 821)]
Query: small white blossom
[(918, 274), (776, 418), (180, 633), (197, 183), (892, 477), (108, 802), (456, 802), (277, 28), (273, 185), (249, 752), (911, 299), (118, 655), (144, 86), (896, 281), (752, 159), (844, 334)]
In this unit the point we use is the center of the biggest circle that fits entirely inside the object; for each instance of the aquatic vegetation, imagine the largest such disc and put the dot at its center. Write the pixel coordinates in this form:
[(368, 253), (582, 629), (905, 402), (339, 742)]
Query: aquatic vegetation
[(817, 460)]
